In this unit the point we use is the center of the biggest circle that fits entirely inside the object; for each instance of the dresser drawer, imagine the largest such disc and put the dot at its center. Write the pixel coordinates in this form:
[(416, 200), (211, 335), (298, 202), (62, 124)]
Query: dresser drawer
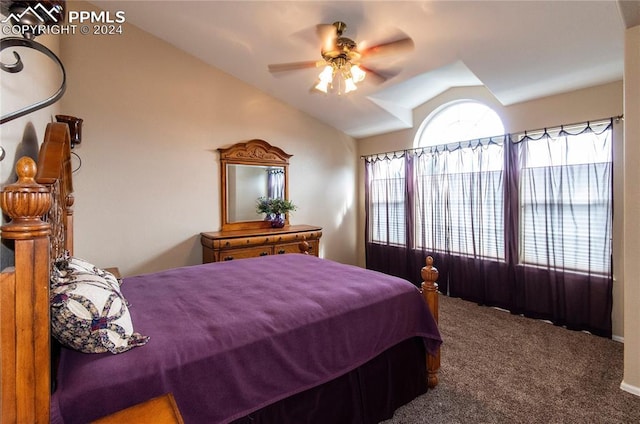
[(281, 249), (298, 237), (249, 252), (243, 242)]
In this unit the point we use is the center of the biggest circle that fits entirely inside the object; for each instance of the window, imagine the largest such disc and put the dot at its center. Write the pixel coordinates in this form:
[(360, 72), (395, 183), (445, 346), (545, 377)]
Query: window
[(451, 197), (565, 199), (460, 202), (524, 223), (459, 121), (387, 201)]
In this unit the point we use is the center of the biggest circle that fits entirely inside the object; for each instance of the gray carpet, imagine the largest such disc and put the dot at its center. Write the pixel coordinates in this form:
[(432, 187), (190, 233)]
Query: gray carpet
[(501, 368)]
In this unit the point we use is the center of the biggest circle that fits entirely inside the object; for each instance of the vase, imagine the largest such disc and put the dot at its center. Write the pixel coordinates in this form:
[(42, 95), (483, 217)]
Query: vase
[(277, 220)]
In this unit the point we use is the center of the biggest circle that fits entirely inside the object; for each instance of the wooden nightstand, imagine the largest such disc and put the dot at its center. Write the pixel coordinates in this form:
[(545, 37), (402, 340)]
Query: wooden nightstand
[(160, 410)]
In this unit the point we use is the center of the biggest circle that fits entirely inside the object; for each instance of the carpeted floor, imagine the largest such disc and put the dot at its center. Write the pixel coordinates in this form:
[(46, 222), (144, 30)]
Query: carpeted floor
[(501, 368)]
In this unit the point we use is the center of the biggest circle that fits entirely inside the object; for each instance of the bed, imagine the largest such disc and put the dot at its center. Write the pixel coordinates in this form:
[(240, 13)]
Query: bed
[(283, 338)]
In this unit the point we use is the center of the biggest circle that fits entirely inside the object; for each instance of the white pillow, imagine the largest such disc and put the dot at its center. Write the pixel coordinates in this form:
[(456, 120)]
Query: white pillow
[(90, 314)]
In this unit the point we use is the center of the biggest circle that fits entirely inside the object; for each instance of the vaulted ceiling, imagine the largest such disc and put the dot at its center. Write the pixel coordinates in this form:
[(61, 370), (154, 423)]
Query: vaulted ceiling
[(519, 50)]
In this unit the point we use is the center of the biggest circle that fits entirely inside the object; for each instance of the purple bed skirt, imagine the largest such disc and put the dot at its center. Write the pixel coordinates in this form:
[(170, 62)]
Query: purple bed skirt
[(367, 395)]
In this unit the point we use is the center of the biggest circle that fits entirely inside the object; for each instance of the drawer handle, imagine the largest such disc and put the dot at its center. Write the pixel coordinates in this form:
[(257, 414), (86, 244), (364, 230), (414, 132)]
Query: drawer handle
[(264, 253), (228, 258), (281, 252)]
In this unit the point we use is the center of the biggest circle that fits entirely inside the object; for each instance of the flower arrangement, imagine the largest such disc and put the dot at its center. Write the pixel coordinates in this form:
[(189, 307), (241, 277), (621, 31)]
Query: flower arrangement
[(276, 206)]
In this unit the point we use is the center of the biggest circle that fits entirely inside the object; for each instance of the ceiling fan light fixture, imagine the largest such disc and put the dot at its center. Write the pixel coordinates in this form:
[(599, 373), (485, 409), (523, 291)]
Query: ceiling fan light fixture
[(327, 74), (339, 55), (349, 85), (340, 66), (358, 74), (326, 78), (323, 86)]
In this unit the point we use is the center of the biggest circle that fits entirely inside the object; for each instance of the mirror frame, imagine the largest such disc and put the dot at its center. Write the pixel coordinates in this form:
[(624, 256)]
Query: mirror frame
[(253, 152)]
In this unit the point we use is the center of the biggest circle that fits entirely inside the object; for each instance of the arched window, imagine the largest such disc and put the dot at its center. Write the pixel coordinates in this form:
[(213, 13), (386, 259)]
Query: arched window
[(461, 203), (459, 121)]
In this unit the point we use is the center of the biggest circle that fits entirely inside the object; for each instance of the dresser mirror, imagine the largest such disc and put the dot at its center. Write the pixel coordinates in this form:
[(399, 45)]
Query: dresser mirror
[(248, 171)]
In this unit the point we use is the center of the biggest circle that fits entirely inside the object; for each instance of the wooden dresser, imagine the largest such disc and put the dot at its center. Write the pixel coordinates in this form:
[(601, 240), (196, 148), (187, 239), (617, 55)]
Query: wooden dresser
[(238, 244)]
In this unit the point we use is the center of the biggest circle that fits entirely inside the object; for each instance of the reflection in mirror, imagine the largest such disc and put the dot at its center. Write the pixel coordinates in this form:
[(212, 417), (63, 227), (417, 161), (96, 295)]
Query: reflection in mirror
[(245, 184)]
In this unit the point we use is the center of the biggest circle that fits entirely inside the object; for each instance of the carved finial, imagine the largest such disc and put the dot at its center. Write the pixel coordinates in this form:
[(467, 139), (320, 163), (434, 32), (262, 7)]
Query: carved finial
[(26, 170), (429, 273), (25, 202)]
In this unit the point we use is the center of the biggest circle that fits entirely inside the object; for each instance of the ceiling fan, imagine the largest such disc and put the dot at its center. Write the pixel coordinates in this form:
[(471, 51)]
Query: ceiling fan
[(342, 61)]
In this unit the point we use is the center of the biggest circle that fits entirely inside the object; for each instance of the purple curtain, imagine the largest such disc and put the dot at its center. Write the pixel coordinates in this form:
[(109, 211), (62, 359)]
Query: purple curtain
[(386, 230), (523, 224), (564, 196)]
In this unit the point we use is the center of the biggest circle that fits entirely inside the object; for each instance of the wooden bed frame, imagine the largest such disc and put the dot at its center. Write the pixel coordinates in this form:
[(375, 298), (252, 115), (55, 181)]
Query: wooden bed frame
[(39, 206)]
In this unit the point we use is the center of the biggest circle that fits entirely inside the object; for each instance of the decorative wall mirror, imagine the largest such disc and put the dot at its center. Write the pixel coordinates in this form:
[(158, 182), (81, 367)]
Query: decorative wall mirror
[(248, 171)]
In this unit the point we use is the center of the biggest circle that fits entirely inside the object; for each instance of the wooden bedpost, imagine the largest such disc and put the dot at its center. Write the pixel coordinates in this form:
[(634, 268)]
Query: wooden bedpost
[(39, 206), (24, 301), (429, 275)]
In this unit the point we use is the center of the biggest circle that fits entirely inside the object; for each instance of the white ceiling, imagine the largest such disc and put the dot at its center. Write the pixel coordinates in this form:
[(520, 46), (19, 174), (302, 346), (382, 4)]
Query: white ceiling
[(519, 50)]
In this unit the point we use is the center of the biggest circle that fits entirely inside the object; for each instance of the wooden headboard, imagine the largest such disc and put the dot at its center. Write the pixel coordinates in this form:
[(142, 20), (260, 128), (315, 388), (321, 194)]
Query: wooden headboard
[(39, 205)]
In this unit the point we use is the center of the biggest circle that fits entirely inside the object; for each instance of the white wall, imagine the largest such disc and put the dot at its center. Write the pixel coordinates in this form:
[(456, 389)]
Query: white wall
[(154, 118), (631, 207)]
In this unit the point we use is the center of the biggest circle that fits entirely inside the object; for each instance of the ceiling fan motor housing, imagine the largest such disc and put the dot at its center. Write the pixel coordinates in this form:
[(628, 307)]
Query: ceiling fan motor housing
[(344, 48)]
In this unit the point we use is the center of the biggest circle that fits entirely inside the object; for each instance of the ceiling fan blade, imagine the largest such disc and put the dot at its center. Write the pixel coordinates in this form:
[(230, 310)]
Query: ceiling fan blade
[(393, 47), (373, 76), (292, 66), (328, 34)]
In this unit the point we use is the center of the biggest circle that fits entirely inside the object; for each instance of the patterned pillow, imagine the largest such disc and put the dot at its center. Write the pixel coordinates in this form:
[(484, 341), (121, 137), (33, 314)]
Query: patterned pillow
[(90, 314), (74, 263)]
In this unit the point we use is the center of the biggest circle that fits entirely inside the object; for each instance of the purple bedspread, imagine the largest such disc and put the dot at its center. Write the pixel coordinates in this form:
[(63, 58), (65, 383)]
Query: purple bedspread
[(228, 338)]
